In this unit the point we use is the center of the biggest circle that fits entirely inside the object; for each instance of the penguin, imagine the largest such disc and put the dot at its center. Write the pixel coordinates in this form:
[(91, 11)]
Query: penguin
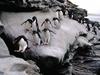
[(70, 13), (47, 36), (47, 24), (36, 31), (82, 41), (59, 14), (27, 24), (36, 38), (83, 46), (35, 26), (56, 22), (22, 43), (94, 30), (64, 10)]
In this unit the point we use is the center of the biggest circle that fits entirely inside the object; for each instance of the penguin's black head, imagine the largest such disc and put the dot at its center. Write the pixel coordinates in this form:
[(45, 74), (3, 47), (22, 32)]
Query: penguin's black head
[(45, 30), (58, 10), (55, 18), (34, 32), (47, 20), (30, 21), (84, 35), (1, 29), (19, 38), (34, 18)]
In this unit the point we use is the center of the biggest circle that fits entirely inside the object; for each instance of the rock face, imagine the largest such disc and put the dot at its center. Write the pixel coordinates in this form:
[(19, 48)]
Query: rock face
[(32, 5), (49, 56), (17, 66), (3, 48), (10, 65)]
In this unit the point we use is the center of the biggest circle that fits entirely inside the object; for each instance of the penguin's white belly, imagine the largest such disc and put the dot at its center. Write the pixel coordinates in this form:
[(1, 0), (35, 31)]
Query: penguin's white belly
[(46, 37), (36, 39), (34, 28), (56, 24), (27, 25), (59, 15), (22, 45), (47, 26)]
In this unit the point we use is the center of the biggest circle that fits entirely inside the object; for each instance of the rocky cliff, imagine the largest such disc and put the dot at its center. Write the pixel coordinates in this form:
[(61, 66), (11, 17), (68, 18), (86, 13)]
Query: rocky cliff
[(32, 5), (10, 65)]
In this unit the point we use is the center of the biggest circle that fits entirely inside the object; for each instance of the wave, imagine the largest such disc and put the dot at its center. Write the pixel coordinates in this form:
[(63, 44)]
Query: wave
[(94, 17)]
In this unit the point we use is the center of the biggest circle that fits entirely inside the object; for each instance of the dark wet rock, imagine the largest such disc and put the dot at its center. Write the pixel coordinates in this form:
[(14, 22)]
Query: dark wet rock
[(1, 73), (31, 5), (86, 63), (62, 1), (35, 67), (89, 67), (49, 65), (13, 65)]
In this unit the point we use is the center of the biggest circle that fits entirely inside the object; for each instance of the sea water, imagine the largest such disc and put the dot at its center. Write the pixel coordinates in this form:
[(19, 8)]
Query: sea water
[(94, 17)]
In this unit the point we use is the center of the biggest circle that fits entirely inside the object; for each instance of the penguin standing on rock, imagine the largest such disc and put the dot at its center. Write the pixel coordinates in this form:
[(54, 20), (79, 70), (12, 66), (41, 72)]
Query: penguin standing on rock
[(64, 10), (46, 31), (47, 24), (47, 36), (21, 43), (56, 22), (35, 26), (36, 31), (37, 39), (27, 24), (59, 14)]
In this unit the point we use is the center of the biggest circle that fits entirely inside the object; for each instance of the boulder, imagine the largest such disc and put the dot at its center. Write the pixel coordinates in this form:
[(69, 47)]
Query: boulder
[(17, 66), (3, 48)]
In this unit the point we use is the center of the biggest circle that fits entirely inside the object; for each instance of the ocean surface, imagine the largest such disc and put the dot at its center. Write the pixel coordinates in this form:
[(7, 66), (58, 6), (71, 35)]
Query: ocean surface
[(94, 17)]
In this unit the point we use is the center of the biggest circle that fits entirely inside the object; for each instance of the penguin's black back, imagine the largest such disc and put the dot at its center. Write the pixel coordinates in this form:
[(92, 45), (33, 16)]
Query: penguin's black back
[(55, 18), (19, 38), (30, 21)]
